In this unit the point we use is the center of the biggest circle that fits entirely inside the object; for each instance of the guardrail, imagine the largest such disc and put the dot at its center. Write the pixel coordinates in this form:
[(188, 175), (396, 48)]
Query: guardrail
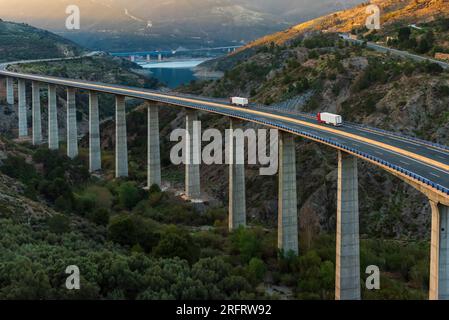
[(357, 125), (334, 143)]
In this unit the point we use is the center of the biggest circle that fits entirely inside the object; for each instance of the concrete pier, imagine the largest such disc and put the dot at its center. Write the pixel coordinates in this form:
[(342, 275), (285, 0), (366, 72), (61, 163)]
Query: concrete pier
[(36, 116), (347, 271), (23, 124), (237, 198), (94, 133), (10, 90), (193, 139), (121, 144), (439, 253), (154, 153), (72, 131), (287, 201), (53, 134)]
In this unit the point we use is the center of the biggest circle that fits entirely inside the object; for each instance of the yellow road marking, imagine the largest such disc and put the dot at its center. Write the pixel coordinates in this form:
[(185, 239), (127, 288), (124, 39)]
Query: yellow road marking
[(264, 114)]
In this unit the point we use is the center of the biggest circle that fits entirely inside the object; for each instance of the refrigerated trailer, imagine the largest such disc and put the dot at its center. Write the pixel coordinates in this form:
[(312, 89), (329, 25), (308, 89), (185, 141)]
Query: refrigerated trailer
[(330, 118), (238, 101)]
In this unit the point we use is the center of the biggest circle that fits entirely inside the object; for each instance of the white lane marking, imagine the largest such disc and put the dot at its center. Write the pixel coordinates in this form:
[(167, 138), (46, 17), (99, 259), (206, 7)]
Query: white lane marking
[(433, 174), (378, 152), (406, 140), (347, 135), (405, 162), (406, 157), (417, 161)]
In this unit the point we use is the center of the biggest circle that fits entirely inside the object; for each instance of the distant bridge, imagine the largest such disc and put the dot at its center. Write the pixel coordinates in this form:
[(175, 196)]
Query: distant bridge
[(165, 53), (422, 164)]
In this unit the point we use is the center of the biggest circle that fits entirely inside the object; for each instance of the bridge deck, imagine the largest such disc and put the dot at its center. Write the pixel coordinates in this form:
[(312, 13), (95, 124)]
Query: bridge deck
[(421, 161)]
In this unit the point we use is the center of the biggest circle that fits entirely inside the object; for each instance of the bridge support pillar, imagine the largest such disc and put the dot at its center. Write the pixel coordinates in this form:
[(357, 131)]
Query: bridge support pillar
[(237, 199), (94, 133), (192, 178), (37, 124), (154, 156), (72, 131), (287, 201), (121, 144), (23, 124), (53, 134), (439, 253), (347, 274), (10, 90)]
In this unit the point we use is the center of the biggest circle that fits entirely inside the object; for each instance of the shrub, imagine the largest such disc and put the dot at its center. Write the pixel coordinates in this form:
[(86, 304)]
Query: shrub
[(58, 224), (100, 216), (176, 242), (129, 195)]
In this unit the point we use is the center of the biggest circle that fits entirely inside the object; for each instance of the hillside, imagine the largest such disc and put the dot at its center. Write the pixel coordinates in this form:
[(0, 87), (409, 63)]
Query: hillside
[(317, 71), (161, 24), (393, 12), (23, 42)]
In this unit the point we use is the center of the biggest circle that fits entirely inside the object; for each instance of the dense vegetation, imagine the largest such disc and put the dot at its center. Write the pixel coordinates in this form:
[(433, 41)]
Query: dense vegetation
[(136, 244), (23, 42)]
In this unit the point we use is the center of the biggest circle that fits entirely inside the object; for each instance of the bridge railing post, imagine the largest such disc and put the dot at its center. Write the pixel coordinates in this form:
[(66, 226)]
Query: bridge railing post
[(237, 198), (287, 201), (22, 109), (439, 253), (72, 131), (121, 144), (94, 133), (347, 271), (192, 178), (53, 132), (154, 156), (36, 113)]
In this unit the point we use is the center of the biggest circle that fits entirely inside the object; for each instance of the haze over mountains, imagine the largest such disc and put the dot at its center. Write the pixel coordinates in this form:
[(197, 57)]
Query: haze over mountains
[(167, 23)]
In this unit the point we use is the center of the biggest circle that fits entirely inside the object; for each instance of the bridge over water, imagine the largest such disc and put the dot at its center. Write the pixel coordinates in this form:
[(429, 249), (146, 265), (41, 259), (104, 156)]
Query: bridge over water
[(160, 54), (422, 164)]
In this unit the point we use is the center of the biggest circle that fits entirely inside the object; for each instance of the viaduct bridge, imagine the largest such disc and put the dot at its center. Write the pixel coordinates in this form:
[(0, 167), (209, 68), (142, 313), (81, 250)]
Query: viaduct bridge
[(423, 165), (168, 53)]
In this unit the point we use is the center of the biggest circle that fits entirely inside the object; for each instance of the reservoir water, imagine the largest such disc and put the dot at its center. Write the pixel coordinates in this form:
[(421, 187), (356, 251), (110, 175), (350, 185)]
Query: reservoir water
[(173, 73)]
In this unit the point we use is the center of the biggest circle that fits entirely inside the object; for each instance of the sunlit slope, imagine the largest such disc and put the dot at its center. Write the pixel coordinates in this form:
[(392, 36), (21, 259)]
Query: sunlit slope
[(392, 11)]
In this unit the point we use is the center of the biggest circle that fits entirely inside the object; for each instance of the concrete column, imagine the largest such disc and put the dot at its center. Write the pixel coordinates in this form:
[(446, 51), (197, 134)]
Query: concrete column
[(23, 125), (192, 181), (121, 144), (37, 124), (53, 134), (347, 274), (94, 133), (72, 131), (439, 253), (287, 201), (154, 153), (9, 90), (237, 199)]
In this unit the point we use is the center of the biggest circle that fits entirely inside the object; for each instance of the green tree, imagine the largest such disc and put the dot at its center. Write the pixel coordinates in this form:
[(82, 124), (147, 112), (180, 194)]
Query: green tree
[(129, 195), (256, 270), (59, 224), (176, 242), (100, 216)]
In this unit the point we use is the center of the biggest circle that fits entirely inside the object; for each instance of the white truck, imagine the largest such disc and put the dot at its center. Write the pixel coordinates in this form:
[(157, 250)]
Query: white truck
[(330, 118), (238, 101)]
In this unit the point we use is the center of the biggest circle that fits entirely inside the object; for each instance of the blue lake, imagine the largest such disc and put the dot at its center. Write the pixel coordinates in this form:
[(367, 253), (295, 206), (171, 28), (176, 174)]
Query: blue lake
[(173, 73)]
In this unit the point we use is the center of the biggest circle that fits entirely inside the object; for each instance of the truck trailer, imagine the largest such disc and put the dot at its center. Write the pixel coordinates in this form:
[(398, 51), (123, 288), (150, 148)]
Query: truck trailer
[(238, 101), (330, 118)]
